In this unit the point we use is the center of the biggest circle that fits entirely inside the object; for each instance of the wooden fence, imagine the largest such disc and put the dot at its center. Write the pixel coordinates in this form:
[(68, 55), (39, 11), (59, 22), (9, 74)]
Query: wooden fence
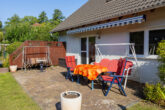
[(38, 49)]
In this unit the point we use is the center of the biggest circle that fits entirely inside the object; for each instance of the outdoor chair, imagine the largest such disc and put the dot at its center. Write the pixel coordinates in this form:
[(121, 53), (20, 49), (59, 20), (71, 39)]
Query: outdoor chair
[(71, 64), (117, 78), (110, 64)]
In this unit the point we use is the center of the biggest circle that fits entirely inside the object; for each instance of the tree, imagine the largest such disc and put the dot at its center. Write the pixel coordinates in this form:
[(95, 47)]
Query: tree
[(13, 20), (0, 24), (29, 19), (57, 15), (18, 32), (22, 29), (1, 36), (42, 17)]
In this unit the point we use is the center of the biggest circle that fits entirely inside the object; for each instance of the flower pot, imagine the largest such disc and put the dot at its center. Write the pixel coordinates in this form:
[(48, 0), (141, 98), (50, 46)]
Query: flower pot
[(71, 100), (13, 68)]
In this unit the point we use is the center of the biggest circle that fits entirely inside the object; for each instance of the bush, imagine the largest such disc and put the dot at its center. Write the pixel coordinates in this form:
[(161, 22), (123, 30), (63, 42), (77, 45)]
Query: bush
[(12, 47), (6, 62), (155, 93), (161, 53)]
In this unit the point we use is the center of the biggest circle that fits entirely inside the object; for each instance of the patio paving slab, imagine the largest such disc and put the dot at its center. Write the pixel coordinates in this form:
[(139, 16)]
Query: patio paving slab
[(45, 88)]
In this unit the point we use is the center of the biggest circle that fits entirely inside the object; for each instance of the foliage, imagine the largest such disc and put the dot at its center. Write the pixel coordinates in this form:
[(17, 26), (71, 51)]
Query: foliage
[(21, 29), (145, 106), (12, 96), (155, 93), (1, 36), (161, 53), (6, 62), (29, 19), (12, 47), (42, 32), (15, 19), (19, 32), (0, 24), (57, 15), (24, 31), (42, 17)]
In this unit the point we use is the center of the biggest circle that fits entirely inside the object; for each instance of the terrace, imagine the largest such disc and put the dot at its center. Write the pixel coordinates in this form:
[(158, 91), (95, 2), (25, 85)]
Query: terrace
[(45, 88)]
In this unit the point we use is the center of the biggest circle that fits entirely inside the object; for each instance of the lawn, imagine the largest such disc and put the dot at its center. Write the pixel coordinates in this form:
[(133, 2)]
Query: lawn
[(12, 96), (145, 106)]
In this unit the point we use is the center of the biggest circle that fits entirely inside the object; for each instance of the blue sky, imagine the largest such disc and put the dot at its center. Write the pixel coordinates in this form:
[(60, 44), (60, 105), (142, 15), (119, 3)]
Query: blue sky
[(34, 7)]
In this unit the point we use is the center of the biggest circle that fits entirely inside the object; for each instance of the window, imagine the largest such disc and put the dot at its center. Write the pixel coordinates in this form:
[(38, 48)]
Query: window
[(138, 39), (155, 36)]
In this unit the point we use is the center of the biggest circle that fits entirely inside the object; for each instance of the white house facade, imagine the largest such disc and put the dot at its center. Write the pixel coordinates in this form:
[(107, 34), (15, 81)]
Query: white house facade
[(146, 35)]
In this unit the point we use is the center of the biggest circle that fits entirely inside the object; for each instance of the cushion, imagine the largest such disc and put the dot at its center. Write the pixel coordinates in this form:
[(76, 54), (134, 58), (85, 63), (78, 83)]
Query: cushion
[(113, 65), (109, 78), (104, 62), (70, 62)]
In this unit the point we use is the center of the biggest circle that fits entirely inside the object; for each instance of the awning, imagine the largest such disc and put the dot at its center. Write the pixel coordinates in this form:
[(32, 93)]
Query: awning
[(133, 20)]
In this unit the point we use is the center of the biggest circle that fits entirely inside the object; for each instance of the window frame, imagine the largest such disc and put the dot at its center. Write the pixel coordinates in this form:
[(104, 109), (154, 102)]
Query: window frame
[(138, 55), (149, 40), (146, 42)]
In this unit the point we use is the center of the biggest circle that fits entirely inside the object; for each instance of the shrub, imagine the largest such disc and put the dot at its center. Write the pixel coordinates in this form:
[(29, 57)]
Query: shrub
[(155, 93), (6, 62), (161, 53), (12, 47)]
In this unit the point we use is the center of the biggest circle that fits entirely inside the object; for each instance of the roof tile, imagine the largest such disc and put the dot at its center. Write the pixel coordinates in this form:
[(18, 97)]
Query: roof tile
[(99, 10)]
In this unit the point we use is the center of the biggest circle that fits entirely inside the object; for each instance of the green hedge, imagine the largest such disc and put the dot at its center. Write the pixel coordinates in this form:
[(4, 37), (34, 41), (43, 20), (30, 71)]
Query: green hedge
[(161, 53), (12, 47), (156, 93), (6, 62)]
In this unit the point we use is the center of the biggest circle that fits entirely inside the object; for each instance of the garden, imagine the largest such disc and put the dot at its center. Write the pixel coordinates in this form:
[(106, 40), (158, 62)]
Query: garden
[(19, 94), (17, 30)]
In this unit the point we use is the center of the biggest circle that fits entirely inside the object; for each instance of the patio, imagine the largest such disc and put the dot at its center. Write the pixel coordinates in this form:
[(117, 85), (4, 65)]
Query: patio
[(45, 89)]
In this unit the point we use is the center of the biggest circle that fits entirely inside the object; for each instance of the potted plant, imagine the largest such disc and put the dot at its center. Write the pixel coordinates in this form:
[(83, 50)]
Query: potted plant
[(71, 100)]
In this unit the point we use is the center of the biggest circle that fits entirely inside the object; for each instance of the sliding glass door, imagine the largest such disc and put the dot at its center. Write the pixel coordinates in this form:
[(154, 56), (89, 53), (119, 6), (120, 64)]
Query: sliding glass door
[(83, 50), (91, 49)]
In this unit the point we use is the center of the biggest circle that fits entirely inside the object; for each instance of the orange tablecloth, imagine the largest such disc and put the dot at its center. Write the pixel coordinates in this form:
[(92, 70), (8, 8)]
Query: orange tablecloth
[(89, 71)]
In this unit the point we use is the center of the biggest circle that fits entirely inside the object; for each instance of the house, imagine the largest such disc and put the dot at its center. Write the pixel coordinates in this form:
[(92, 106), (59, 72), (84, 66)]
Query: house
[(36, 24), (116, 21)]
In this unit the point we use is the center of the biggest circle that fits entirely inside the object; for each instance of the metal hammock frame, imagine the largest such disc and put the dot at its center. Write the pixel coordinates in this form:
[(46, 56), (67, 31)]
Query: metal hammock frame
[(131, 47), (24, 55)]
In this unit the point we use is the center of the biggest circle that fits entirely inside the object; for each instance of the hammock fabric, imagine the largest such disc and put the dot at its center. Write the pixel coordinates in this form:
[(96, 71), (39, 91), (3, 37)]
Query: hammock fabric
[(90, 71)]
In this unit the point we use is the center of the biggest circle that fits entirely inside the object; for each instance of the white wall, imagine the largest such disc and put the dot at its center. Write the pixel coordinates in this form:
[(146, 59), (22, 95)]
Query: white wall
[(148, 64), (73, 46)]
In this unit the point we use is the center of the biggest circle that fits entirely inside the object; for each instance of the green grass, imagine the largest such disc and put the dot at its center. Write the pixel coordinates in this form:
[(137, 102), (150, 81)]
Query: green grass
[(145, 106), (12, 96)]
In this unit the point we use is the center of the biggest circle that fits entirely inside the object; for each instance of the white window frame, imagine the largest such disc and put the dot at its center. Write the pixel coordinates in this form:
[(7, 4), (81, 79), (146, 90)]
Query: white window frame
[(137, 55), (151, 29), (146, 42)]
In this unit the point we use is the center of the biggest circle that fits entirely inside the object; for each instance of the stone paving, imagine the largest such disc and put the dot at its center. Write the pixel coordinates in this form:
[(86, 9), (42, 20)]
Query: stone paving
[(45, 88)]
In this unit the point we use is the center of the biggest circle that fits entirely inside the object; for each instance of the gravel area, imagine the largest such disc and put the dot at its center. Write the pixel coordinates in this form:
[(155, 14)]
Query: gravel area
[(45, 88)]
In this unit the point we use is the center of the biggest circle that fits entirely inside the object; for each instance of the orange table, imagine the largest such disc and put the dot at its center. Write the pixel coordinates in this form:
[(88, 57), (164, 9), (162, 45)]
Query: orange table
[(90, 71)]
